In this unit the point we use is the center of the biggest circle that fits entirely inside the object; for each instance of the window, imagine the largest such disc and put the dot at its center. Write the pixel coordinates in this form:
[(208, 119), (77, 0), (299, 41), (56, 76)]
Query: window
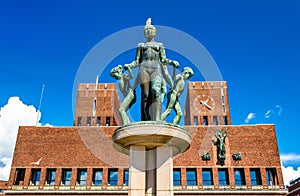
[(207, 177), (81, 176), (126, 177), (239, 177), (224, 108), (19, 177), (271, 175), (215, 118), (195, 120), (113, 177), (223, 99), (94, 107), (88, 121), (223, 177), (225, 120), (107, 121), (95, 104), (35, 176), (66, 177), (191, 179), (51, 173), (205, 121), (176, 177), (255, 177), (79, 121), (98, 120), (97, 177)]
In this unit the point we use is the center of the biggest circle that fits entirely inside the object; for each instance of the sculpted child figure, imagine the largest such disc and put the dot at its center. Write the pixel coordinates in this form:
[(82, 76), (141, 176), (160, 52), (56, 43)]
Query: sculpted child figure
[(126, 90), (175, 93)]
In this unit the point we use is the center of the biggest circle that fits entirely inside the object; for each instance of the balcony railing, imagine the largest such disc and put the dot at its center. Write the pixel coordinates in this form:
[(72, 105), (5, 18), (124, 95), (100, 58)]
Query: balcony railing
[(227, 187), (175, 188), (62, 187)]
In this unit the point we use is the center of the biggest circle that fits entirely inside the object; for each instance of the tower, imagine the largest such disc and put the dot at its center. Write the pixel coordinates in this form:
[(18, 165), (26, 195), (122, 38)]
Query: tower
[(97, 105), (207, 104)]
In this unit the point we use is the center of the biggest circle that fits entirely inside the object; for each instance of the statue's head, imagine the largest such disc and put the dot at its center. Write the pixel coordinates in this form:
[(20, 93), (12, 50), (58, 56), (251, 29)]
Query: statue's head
[(116, 72), (149, 30), (187, 72)]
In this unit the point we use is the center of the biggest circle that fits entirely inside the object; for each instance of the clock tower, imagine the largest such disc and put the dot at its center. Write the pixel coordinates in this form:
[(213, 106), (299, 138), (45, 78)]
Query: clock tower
[(207, 104)]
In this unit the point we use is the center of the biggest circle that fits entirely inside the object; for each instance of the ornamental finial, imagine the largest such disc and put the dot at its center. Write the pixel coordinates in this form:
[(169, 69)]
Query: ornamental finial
[(148, 22)]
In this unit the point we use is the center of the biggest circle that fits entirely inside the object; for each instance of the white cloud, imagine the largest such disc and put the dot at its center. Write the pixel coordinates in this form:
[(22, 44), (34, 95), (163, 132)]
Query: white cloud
[(276, 111), (288, 158), (279, 109), (14, 114), (268, 114), (48, 125), (249, 117), (5, 169), (289, 173)]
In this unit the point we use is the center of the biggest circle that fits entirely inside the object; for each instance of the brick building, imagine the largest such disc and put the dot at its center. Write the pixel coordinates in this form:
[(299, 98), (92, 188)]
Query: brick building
[(3, 186), (294, 188), (81, 159)]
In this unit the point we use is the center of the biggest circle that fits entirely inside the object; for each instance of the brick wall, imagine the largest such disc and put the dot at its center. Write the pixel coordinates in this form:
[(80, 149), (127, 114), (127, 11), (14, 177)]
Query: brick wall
[(91, 147)]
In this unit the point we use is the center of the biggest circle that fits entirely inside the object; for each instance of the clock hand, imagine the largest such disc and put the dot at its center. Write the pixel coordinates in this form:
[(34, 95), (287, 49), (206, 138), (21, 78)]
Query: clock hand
[(204, 104), (208, 106)]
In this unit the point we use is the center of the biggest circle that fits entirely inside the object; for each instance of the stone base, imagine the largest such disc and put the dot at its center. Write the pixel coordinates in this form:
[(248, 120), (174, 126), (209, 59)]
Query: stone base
[(151, 146), (151, 134)]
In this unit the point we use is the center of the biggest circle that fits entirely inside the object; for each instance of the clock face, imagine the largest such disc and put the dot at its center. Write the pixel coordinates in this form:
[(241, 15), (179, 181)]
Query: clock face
[(204, 104)]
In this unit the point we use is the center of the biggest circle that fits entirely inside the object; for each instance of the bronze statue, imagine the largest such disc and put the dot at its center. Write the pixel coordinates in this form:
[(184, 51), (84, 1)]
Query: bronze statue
[(175, 93), (126, 90), (221, 146), (151, 60), (237, 156), (205, 156)]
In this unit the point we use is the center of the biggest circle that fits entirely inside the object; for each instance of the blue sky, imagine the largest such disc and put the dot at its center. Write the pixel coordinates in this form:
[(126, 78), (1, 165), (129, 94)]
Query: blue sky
[(256, 45)]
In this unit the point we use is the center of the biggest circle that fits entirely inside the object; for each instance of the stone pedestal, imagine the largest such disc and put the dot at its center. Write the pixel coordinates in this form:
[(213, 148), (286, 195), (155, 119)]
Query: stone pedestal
[(151, 146)]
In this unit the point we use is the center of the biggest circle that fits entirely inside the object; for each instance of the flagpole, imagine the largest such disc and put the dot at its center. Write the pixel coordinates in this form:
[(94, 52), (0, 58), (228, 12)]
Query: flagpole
[(39, 111)]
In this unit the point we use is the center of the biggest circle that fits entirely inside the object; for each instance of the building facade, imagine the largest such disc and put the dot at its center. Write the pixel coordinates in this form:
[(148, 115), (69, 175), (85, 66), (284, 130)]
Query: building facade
[(81, 159), (3, 186), (294, 188)]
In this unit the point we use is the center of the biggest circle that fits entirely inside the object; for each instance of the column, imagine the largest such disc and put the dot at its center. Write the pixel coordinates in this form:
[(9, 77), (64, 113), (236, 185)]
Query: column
[(164, 164), (151, 172), (137, 171)]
